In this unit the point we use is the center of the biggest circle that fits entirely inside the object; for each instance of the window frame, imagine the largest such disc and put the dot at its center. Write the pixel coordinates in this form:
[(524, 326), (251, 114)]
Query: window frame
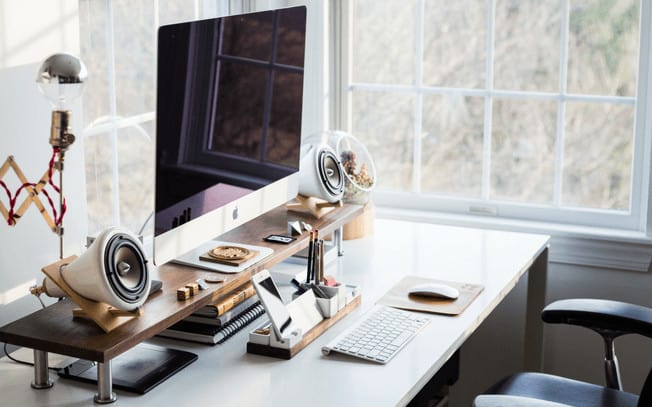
[(566, 220)]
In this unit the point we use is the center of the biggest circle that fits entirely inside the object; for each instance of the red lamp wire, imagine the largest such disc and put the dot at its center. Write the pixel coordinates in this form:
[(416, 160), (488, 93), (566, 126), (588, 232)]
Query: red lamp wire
[(58, 219)]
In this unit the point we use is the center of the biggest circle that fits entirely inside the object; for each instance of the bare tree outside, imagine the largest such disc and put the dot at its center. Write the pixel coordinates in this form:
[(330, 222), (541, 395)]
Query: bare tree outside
[(529, 71)]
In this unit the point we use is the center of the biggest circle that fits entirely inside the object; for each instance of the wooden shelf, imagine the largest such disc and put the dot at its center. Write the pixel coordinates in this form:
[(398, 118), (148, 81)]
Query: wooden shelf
[(53, 329)]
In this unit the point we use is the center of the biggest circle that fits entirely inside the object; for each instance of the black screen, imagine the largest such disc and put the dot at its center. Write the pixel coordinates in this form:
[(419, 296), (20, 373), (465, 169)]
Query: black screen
[(229, 107)]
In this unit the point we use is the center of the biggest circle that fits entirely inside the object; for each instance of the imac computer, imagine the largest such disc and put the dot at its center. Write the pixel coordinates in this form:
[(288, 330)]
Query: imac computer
[(228, 124)]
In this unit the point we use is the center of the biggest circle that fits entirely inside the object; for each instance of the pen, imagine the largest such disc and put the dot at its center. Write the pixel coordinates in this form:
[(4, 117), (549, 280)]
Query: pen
[(315, 257), (310, 259), (322, 253)]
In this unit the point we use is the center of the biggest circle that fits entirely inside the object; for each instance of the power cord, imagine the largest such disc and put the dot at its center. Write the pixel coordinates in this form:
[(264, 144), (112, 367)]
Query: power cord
[(22, 362)]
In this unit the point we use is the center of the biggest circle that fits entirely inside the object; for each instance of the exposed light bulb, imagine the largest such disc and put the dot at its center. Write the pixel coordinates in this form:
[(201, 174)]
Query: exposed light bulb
[(61, 79)]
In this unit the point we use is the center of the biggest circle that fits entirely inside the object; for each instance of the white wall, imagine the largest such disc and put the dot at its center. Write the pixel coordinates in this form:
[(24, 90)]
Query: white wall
[(29, 32)]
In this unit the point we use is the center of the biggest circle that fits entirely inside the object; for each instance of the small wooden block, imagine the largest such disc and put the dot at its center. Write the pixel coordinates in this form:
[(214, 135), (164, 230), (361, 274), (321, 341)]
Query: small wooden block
[(194, 288), (183, 293)]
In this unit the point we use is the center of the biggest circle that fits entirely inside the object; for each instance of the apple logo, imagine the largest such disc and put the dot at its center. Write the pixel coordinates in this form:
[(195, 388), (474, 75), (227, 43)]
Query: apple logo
[(234, 214)]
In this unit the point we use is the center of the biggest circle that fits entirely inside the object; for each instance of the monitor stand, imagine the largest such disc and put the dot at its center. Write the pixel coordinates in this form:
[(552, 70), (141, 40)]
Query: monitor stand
[(193, 257)]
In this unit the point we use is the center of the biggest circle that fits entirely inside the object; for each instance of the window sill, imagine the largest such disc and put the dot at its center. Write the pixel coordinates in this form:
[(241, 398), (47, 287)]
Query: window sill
[(577, 245)]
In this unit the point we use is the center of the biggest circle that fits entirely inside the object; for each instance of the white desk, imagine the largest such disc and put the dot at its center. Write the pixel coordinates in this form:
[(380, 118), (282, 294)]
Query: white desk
[(227, 375)]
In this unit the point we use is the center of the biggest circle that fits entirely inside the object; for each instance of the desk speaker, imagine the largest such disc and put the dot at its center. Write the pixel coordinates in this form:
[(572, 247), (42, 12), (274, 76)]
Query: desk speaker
[(321, 174), (113, 270)]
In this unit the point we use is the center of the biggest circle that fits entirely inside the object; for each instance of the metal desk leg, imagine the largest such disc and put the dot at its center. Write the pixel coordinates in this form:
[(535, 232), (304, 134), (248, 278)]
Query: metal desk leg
[(338, 236), (536, 297), (41, 376), (105, 394)]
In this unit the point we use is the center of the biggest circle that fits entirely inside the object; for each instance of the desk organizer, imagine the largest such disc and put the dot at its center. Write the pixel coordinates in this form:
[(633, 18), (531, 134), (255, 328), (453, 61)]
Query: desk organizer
[(344, 300)]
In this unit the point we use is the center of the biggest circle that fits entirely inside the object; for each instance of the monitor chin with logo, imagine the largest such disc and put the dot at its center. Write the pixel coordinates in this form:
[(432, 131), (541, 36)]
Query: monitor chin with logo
[(228, 124)]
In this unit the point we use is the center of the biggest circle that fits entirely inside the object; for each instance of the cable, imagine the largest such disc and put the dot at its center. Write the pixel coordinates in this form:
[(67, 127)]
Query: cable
[(140, 232), (22, 362)]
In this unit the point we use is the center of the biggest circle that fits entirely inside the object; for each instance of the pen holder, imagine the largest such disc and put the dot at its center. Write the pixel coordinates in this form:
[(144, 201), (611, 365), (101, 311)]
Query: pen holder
[(262, 341), (337, 297), (328, 306)]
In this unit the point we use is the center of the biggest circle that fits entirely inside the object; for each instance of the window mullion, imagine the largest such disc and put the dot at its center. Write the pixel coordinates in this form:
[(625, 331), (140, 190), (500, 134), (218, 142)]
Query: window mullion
[(418, 108), (115, 174), (488, 104), (561, 104)]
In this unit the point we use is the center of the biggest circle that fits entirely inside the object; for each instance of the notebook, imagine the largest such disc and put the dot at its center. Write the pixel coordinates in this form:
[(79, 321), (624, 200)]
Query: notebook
[(212, 334)]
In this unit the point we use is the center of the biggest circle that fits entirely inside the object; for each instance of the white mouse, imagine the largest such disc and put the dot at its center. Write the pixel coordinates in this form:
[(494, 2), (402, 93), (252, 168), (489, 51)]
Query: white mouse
[(434, 290)]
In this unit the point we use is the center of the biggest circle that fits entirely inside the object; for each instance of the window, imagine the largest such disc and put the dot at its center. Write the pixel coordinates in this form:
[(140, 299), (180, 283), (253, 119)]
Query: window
[(519, 109)]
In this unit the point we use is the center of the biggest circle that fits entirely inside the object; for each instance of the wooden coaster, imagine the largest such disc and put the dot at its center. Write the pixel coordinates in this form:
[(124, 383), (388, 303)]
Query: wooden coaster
[(229, 255)]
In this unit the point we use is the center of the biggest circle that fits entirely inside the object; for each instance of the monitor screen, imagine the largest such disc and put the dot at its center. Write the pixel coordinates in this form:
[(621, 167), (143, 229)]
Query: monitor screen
[(228, 124)]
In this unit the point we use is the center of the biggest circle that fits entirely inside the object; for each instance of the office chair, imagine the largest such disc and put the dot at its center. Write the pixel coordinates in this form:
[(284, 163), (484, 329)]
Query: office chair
[(610, 319)]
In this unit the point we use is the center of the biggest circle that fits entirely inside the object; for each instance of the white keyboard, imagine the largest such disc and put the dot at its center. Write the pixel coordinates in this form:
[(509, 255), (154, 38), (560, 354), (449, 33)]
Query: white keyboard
[(378, 335)]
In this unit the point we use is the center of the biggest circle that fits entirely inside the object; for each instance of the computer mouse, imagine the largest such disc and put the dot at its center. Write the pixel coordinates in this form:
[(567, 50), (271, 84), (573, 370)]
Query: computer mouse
[(434, 290)]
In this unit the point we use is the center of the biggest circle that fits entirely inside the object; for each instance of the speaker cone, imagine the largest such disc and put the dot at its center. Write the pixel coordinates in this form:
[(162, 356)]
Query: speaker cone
[(330, 172), (125, 267)]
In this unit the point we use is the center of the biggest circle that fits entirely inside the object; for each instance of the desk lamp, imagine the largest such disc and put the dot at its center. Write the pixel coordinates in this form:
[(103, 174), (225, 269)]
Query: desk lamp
[(61, 79)]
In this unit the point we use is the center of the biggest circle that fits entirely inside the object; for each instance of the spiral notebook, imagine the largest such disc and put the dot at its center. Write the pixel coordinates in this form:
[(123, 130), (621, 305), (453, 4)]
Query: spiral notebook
[(212, 334)]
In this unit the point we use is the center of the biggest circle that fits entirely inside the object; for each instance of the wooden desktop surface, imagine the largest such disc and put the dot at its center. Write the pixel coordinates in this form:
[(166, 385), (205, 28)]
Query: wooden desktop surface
[(54, 330)]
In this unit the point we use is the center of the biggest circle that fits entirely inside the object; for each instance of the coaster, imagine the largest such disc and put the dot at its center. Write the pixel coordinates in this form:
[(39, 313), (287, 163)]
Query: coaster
[(229, 255)]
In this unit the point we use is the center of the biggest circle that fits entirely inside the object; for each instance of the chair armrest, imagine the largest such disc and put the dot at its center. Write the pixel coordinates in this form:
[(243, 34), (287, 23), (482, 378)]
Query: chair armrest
[(496, 400), (614, 316)]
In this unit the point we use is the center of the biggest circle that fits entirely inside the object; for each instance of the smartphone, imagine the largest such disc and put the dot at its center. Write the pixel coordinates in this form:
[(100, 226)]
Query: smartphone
[(269, 296)]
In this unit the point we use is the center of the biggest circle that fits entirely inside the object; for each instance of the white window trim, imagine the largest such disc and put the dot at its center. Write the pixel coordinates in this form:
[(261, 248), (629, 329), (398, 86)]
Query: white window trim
[(612, 247)]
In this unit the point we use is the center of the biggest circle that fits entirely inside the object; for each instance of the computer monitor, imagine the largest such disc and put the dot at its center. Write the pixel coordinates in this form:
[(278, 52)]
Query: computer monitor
[(228, 124)]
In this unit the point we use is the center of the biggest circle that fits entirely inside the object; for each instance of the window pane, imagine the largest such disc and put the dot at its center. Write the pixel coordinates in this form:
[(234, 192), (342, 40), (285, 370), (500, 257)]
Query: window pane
[(175, 11), (134, 34), (285, 119), (238, 120), (290, 48), (598, 155), (454, 53), (522, 150), (136, 173), (603, 47), (136, 169), (250, 40), (383, 41), (99, 182), (92, 28), (527, 45), (452, 145), (384, 122)]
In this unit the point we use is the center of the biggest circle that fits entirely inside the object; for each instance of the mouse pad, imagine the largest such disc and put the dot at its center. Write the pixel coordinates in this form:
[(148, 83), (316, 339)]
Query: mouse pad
[(398, 296)]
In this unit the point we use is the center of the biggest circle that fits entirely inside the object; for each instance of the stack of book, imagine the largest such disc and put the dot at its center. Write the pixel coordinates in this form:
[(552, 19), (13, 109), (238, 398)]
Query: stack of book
[(215, 323)]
